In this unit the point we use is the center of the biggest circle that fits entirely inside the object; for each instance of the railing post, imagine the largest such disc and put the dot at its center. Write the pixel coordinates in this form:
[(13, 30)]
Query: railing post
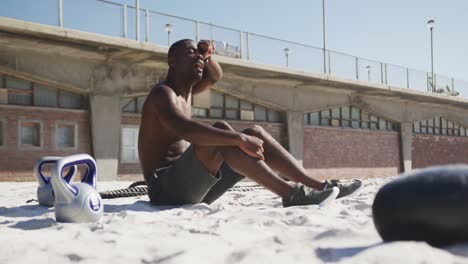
[(407, 77), (147, 17), (137, 10), (329, 63), (60, 7), (211, 32), (357, 68), (381, 73), (240, 46), (197, 28), (453, 86), (125, 21), (248, 45), (386, 76), (428, 88)]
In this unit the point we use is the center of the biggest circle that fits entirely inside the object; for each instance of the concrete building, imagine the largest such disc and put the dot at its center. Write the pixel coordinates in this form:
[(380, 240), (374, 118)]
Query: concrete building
[(64, 91)]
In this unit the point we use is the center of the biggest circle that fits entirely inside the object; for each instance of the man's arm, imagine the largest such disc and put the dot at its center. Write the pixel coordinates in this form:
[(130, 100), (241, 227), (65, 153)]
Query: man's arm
[(164, 104), (212, 72)]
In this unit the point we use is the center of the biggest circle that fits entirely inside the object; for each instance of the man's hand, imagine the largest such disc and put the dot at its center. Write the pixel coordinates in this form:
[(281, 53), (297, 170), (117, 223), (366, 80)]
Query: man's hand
[(252, 146), (205, 48), (212, 72)]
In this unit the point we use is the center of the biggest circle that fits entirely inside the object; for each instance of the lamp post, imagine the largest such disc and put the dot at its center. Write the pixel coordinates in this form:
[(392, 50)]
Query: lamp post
[(168, 30), (286, 54), (368, 67), (323, 36), (430, 24)]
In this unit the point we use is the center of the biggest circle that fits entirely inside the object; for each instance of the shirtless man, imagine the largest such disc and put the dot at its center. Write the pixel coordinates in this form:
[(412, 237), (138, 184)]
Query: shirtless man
[(185, 161)]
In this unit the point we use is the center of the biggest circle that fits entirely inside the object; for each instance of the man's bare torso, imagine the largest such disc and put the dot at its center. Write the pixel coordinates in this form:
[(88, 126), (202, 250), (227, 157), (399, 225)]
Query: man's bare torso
[(157, 146)]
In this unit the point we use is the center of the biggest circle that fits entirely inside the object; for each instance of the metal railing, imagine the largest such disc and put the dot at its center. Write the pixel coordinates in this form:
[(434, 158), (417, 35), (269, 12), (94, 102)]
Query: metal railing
[(133, 22)]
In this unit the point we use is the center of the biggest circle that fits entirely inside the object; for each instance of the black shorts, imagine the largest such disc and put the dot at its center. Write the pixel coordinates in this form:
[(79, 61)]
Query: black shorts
[(187, 181)]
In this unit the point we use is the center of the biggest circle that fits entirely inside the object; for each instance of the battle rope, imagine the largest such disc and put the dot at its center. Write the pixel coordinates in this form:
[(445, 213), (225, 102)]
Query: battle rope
[(133, 190)]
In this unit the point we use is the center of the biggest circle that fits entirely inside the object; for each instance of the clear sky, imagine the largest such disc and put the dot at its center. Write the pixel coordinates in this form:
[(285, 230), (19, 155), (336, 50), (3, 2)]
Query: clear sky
[(389, 31)]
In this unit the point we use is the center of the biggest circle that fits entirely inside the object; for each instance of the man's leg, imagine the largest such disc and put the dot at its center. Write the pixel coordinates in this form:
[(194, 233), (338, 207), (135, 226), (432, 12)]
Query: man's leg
[(255, 169), (228, 179), (258, 171), (281, 160)]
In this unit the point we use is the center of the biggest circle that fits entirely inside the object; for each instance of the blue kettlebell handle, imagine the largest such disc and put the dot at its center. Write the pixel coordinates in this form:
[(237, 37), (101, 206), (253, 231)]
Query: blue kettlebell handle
[(90, 176), (46, 179), (51, 160)]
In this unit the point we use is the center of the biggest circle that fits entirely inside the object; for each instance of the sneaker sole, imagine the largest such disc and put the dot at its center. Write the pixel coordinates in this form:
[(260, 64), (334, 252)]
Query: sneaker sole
[(330, 198)]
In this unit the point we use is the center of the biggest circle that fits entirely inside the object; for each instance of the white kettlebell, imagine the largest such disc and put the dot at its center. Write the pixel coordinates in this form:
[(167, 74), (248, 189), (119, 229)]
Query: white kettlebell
[(45, 192), (78, 202)]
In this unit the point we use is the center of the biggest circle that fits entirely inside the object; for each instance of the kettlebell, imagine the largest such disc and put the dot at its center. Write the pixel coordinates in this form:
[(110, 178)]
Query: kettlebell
[(45, 192), (78, 202)]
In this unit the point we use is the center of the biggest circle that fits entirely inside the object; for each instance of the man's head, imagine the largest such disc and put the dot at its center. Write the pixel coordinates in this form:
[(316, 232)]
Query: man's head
[(185, 60)]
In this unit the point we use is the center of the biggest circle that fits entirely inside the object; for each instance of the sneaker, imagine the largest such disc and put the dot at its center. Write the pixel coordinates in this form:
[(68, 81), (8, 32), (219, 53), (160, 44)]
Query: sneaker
[(346, 187), (303, 195)]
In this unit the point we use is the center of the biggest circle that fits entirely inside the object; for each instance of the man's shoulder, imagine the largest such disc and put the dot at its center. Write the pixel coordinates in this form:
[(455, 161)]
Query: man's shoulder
[(161, 90), (161, 87)]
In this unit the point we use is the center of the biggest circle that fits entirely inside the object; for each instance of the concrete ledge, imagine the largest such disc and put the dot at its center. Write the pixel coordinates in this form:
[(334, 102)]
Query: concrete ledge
[(55, 32), (264, 71)]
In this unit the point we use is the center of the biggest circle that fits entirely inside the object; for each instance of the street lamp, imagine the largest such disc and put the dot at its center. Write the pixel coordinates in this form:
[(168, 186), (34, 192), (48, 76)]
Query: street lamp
[(323, 34), (368, 67), (168, 30), (431, 24), (286, 54)]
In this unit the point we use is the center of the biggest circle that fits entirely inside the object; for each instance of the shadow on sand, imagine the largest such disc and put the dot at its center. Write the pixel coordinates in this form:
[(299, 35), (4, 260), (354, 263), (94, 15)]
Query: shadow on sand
[(338, 254), (34, 224), (24, 211), (460, 250)]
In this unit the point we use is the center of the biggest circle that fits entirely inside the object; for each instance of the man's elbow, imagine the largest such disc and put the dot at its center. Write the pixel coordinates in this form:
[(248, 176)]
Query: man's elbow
[(217, 77)]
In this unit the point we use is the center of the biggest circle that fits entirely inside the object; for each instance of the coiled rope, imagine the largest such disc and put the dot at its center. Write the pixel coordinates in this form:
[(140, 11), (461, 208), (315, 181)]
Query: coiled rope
[(133, 190)]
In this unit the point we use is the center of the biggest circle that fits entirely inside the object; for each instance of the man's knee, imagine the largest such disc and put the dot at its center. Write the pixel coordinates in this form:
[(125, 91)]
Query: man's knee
[(223, 125), (255, 130)]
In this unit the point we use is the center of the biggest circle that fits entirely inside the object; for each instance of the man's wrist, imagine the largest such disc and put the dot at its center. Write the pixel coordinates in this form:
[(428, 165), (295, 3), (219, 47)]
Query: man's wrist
[(240, 139)]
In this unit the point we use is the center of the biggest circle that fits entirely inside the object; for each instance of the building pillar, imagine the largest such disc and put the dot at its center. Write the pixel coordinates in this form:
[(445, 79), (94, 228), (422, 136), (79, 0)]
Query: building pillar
[(295, 125), (406, 145), (105, 134)]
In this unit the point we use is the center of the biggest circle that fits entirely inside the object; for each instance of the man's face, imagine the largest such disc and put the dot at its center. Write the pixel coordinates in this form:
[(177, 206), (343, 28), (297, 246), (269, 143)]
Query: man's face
[(188, 61)]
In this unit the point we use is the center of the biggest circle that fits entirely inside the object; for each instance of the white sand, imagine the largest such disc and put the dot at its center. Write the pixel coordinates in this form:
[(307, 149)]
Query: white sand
[(241, 227)]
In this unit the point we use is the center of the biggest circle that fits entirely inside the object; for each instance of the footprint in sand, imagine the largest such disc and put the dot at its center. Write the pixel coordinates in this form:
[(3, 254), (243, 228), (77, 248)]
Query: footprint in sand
[(122, 214), (74, 257), (334, 233), (237, 256), (96, 226), (237, 195), (362, 207), (297, 221)]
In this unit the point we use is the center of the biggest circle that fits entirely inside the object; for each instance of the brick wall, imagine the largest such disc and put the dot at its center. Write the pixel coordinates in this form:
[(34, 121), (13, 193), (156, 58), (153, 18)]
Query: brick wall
[(132, 171), (349, 153), (16, 163), (429, 150)]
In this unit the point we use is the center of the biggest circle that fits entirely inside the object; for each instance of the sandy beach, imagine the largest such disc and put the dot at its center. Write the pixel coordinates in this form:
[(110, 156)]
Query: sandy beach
[(241, 227)]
